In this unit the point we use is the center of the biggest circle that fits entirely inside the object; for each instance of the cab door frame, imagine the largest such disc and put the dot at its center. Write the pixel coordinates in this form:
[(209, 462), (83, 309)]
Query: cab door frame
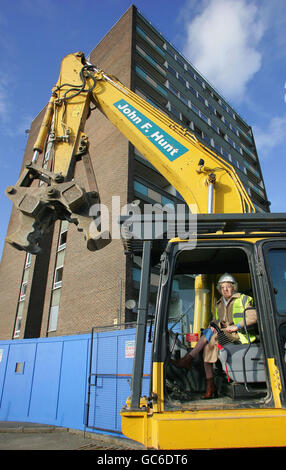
[(160, 345), (271, 320)]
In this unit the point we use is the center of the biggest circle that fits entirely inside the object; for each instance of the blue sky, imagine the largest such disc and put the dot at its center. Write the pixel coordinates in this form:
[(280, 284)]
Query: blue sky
[(237, 42)]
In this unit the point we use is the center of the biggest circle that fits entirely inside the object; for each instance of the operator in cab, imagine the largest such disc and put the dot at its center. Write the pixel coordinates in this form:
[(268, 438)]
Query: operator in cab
[(229, 318)]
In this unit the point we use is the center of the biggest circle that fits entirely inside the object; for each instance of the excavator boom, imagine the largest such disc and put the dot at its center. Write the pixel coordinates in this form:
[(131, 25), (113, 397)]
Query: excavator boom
[(206, 182)]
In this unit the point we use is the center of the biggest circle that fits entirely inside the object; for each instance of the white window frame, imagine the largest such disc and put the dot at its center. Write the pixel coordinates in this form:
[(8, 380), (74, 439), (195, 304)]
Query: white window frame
[(58, 284), (19, 317), (17, 330), (23, 290), (61, 246), (28, 260)]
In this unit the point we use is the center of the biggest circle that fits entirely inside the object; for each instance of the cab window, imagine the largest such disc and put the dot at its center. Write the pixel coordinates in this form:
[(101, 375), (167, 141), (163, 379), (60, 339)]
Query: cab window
[(277, 263)]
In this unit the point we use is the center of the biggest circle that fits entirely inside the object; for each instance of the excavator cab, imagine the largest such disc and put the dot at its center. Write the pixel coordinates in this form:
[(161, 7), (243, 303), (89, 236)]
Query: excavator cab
[(240, 370)]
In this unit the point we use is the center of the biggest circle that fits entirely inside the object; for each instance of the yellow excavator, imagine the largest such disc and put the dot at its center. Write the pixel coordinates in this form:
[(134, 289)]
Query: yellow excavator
[(221, 233)]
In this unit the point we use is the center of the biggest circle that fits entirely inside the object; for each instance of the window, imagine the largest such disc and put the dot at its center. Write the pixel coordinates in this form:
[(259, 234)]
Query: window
[(237, 147), (154, 279), (140, 188), (154, 195), (192, 90), (58, 277), (19, 319), (167, 202), (277, 262), (222, 134), (282, 333), (18, 327), (223, 106), (198, 130), (173, 71), (186, 121), (199, 80), (25, 278), (63, 234), (206, 139), (23, 290), (173, 89), (28, 260), (182, 298), (182, 80), (195, 109), (180, 62), (217, 147), (175, 111), (171, 52), (184, 99), (201, 98), (63, 239), (191, 73), (204, 117), (214, 126), (230, 141)]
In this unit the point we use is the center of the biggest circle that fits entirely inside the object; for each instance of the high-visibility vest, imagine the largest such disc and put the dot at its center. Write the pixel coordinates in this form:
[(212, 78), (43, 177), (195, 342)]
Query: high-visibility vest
[(237, 315)]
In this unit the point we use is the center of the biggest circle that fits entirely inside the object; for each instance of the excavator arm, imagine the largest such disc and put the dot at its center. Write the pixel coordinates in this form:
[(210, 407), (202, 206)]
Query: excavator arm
[(205, 181)]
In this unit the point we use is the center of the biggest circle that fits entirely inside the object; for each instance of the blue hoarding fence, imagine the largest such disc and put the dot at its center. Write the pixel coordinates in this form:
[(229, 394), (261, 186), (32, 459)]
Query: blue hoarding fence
[(79, 382)]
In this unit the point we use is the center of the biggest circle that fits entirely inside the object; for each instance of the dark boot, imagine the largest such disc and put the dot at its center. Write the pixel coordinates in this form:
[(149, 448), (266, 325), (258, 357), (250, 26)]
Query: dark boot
[(211, 391), (184, 363)]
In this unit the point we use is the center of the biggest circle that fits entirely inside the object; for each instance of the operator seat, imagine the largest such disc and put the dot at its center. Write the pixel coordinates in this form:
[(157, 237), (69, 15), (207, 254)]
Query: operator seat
[(232, 357), (242, 362)]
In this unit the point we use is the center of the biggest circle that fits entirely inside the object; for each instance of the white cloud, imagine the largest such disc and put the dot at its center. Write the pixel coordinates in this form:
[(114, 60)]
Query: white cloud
[(222, 43), (272, 136)]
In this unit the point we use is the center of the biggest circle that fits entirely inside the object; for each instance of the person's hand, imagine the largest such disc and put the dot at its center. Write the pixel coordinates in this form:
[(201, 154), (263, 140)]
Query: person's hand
[(231, 329)]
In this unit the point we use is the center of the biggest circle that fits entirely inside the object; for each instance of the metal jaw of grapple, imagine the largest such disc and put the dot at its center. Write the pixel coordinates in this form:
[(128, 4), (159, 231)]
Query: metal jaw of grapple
[(41, 206)]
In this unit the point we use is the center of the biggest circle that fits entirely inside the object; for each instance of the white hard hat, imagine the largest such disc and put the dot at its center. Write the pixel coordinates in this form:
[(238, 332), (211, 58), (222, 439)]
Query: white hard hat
[(226, 277)]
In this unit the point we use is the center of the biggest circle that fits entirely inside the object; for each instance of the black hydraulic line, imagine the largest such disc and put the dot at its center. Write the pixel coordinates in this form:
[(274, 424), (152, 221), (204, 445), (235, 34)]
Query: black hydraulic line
[(78, 88)]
